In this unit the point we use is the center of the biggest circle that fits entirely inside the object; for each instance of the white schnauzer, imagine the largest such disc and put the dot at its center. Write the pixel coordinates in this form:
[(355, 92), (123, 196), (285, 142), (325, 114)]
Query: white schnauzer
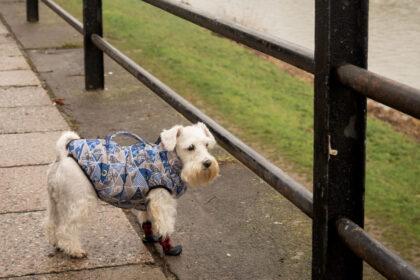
[(144, 177)]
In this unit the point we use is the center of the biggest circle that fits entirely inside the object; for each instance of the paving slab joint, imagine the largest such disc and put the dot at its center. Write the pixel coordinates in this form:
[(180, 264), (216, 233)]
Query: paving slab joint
[(23, 211)]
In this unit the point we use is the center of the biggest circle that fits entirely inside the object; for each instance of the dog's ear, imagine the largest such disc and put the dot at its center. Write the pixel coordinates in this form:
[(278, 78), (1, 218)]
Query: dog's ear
[(208, 134), (169, 137)]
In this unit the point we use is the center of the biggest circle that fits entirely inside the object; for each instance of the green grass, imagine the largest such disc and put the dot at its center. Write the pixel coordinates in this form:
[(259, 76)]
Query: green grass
[(265, 106)]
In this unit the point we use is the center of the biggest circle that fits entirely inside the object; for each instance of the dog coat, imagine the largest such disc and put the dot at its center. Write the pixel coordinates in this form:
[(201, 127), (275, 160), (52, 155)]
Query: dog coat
[(123, 175)]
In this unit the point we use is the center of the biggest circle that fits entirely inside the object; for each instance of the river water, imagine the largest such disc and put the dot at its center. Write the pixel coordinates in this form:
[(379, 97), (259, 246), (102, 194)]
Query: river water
[(394, 29)]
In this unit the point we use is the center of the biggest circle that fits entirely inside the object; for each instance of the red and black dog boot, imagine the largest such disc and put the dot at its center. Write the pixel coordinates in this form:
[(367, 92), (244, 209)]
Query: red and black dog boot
[(149, 237), (168, 249)]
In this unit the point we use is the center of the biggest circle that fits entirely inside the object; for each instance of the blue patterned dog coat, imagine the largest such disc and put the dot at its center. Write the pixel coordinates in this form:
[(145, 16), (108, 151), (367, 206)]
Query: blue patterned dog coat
[(123, 175)]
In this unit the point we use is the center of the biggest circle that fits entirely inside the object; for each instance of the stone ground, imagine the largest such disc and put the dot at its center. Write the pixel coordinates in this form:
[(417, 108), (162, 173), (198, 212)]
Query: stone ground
[(237, 228)]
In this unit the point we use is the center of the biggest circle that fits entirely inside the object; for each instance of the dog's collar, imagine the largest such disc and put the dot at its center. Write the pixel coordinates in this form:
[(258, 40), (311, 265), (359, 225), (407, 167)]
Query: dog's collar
[(171, 154), (173, 160)]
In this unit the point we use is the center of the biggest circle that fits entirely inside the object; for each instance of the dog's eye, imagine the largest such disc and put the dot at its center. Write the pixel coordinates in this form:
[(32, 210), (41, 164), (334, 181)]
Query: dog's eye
[(207, 144), (191, 148)]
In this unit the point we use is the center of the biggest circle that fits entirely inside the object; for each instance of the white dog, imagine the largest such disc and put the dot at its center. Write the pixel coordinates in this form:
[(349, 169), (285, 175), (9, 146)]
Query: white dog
[(72, 191)]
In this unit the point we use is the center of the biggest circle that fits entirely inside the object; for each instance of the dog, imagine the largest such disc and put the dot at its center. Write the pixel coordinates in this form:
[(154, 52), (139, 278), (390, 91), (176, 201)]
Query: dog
[(154, 176)]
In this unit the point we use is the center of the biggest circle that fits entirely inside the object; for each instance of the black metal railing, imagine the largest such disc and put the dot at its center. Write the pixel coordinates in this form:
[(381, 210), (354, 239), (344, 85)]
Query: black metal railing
[(342, 84)]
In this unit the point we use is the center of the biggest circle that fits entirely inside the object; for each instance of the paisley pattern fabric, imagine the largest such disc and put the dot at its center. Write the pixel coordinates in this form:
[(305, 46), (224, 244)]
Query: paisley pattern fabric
[(123, 175)]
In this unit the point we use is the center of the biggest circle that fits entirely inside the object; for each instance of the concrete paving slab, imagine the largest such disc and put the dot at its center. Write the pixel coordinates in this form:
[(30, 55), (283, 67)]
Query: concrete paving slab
[(28, 148), (9, 49), (126, 272), (24, 96), (13, 63), (73, 59), (31, 119), (3, 30), (23, 188), (108, 238), (18, 78), (55, 33), (5, 39)]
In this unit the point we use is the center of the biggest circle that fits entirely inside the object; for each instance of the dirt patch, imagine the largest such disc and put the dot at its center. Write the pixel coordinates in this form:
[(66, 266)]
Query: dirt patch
[(292, 70), (400, 121), (377, 232)]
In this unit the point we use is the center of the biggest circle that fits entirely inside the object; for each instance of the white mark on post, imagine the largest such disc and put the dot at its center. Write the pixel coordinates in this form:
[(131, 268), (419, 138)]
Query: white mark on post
[(331, 151)]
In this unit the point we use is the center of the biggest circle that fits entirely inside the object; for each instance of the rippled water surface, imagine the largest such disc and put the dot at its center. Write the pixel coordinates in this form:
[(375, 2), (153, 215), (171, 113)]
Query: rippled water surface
[(394, 29)]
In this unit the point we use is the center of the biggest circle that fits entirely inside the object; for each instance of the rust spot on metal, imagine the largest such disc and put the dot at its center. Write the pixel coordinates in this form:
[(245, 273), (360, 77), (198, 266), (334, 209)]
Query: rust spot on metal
[(386, 91)]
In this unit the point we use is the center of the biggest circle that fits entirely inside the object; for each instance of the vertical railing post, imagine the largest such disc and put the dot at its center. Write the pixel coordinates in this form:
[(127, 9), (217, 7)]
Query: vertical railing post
[(339, 146), (94, 58), (32, 14)]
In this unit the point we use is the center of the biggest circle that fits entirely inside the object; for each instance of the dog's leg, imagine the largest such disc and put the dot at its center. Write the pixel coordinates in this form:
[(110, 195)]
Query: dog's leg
[(145, 221), (74, 194), (162, 211), (52, 214), (140, 215), (51, 222)]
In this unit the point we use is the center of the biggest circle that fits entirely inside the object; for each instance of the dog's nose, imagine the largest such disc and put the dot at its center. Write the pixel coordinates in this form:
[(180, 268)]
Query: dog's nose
[(207, 163)]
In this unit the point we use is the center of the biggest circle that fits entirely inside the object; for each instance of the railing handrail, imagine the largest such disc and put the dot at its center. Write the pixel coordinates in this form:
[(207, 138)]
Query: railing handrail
[(404, 98), (377, 255)]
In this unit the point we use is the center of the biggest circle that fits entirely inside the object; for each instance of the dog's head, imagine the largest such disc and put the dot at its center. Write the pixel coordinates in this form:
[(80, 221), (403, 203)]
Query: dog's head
[(192, 144)]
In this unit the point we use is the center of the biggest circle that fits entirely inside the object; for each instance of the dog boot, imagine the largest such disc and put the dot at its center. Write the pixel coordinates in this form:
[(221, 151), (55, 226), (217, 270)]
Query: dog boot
[(168, 249), (148, 233)]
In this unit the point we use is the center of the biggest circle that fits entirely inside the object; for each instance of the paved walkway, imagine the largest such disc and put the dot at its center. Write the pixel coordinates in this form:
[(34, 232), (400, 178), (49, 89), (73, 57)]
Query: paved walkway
[(30, 124)]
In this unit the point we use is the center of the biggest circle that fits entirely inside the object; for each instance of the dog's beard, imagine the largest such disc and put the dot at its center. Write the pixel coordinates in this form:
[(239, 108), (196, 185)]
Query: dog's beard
[(196, 175)]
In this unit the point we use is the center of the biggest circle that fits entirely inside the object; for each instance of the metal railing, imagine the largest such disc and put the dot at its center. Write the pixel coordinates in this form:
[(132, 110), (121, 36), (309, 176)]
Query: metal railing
[(342, 83)]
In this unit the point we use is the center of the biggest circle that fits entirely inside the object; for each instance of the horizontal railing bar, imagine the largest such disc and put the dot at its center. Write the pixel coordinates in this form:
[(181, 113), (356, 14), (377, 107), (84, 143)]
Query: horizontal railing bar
[(374, 253), (391, 93), (271, 174), (65, 15), (291, 53)]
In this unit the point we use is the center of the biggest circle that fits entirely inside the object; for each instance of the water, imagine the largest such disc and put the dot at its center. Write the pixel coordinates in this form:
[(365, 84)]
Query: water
[(394, 29)]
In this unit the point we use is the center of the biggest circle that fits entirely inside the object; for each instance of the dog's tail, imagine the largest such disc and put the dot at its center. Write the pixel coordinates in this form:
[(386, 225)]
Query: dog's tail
[(62, 143)]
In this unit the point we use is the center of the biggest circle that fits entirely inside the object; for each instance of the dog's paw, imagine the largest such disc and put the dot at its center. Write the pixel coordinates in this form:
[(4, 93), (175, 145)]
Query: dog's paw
[(174, 251), (79, 254), (151, 239)]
